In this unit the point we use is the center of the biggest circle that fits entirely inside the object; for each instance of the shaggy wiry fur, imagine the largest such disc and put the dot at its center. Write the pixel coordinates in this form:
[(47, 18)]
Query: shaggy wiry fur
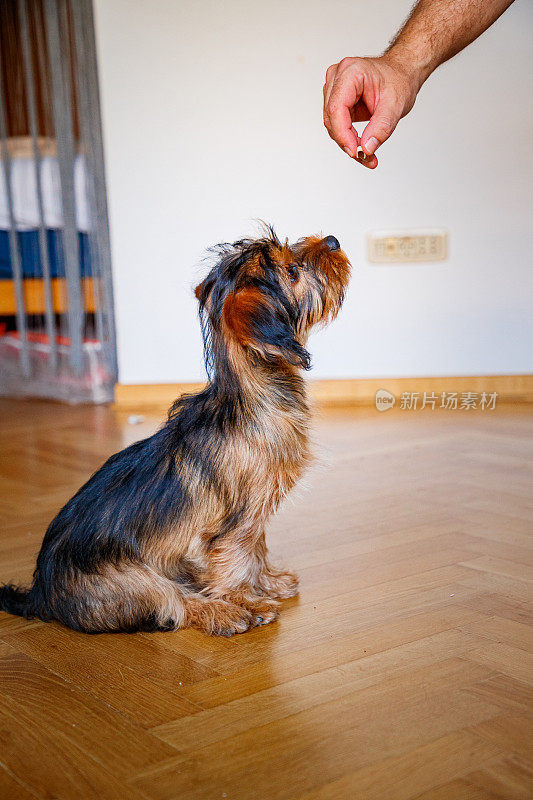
[(170, 532)]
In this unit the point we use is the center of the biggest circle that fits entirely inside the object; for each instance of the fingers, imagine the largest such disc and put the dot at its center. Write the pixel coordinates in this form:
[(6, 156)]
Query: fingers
[(340, 127), (370, 162), (355, 90), (341, 93), (382, 123), (360, 89)]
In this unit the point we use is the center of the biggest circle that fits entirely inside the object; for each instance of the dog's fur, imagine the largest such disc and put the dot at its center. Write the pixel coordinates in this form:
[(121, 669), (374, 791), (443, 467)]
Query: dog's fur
[(170, 532)]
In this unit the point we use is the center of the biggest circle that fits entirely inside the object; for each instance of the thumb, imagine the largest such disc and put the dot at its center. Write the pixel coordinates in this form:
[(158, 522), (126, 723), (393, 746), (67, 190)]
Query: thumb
[(382, 123)]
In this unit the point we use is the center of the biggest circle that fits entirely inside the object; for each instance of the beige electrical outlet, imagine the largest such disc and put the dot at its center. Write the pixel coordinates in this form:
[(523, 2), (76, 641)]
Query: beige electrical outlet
[(421, 245)]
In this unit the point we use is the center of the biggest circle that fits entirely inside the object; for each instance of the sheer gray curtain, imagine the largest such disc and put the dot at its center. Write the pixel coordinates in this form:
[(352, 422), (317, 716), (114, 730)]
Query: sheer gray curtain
[(57, 334)]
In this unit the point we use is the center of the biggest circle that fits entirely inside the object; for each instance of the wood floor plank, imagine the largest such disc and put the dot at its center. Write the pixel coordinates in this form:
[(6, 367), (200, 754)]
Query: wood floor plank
[(301, 629), (61, 770), (369, 607), (502, 530), (509, 694), (321, 552), (500, 605), (92, 726), (13, 789), (501, 566), (459, 789), (425, 767), (513, 733), (153, 660), (360, 572), (361, 762), (333, 686), (402, 672), (284, 667), (498, 548), (492, 583), (78, 660), (335, 726), (511, 778), (502, 630), (510, 660)]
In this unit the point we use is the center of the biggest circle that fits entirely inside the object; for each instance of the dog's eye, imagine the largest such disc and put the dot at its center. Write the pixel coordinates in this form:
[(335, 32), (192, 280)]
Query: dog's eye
[(292, 271)]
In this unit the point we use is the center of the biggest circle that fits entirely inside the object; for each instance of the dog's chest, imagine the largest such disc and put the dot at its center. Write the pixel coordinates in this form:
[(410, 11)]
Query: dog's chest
[(267, 458)]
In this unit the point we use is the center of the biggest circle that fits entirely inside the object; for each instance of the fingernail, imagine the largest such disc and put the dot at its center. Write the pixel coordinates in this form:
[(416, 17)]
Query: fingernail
[(360, 153), (372, 145), (348, 151)]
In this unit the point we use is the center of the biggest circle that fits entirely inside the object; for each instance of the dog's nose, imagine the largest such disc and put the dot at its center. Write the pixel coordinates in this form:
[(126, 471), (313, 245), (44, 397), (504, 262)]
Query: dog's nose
[(332, 243)]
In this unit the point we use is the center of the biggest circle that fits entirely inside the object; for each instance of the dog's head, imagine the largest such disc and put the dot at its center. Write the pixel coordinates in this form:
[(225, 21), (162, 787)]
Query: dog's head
[(262, 297)]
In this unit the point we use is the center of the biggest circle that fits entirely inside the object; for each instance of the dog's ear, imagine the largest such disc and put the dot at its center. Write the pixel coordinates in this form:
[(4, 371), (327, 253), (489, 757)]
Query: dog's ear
[(203, 291), (258, 321)]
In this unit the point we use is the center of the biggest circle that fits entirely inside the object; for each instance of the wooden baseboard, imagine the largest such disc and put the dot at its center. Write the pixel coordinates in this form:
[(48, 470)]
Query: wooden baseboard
[(343, 393)]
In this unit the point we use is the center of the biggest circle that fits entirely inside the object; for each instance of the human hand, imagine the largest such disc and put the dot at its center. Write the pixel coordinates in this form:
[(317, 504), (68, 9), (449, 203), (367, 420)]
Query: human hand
[(377, 89)]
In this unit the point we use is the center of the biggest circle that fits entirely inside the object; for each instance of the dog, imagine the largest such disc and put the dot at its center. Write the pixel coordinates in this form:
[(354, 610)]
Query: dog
[(170, 532)]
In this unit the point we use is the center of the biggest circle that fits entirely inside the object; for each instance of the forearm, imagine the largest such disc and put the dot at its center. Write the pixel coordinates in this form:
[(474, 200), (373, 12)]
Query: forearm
[(439, 29)]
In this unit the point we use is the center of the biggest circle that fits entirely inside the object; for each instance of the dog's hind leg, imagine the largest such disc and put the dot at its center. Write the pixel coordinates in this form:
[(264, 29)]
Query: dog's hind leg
[(125, 597), (134, 597)]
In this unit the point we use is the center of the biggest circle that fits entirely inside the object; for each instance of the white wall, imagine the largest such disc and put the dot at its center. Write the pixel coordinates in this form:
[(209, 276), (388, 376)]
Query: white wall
[(212, 115)]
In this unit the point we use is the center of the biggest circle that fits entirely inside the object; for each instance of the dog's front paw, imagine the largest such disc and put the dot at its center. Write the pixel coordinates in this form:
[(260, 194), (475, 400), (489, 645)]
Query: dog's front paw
[(278, 584), (219, 617), (262, 609)]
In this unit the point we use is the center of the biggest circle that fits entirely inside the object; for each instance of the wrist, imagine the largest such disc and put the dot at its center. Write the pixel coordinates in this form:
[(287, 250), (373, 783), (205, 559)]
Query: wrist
[(415, 67)]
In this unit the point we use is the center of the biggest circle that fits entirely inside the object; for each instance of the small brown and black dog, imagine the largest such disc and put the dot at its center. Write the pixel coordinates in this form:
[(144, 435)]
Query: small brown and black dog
[(170, 532)]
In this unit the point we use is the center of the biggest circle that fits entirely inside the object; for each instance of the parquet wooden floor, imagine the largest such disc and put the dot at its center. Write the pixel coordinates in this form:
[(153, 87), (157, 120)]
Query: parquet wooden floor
[(403, 671)]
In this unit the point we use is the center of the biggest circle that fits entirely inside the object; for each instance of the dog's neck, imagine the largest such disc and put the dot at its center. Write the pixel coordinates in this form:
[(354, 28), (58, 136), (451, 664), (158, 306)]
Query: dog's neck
[(270, 412), (262, 388)]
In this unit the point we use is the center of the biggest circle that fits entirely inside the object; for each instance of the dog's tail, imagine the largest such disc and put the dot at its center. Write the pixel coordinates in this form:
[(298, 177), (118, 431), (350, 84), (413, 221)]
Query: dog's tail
[(15, 600)]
